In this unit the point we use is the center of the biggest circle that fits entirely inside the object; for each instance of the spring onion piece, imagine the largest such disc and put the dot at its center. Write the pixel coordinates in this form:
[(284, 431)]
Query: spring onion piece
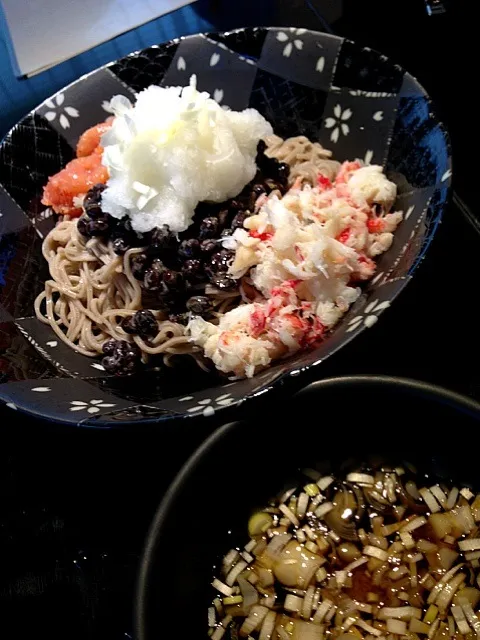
[(443, 580), (367, 627), (416, 523), (462, 516), (330, 613), (429, 499), (362, 536), (310, 533), (311, 546), (433, 628), (233, 600), (282, 634), (235, 572), (254, 620), (250, 546), (230, 559), (416, 626), (414, 557), (424, 546), (396, 626), (308, 602), (446, 595), (472, 544), (220, 630), (341, 578), (268, 626), (268, 601), (412, 490), (378, 541), (460, 619), (431, 614), (447, 557), (259, 547), (311, 490), (355, 564), (277, 543), (451, 626), (407, 539), (400, 613), (322, 611), (466, 493), (398, 572), (324, 482), (223, 588), (439, 495), (259, 523), (212, 618), (320, 575), (375, 552), (217, 603), (399, 511), (302, 504), (316, 500), (470, 615), (249, 593), (452, 498), (428, 582), (293, 603), (476, 508), (413, 574), (361, 478), (387, 530), (300, 535), (286, 495), (323, 509), (289, 514)]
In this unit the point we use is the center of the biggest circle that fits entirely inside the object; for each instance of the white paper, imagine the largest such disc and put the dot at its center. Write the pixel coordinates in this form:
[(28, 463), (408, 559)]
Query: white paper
[(46, 32)]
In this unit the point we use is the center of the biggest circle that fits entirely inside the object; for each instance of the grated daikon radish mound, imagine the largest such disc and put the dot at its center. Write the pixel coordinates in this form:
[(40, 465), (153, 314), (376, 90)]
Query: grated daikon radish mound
[(174, 148)]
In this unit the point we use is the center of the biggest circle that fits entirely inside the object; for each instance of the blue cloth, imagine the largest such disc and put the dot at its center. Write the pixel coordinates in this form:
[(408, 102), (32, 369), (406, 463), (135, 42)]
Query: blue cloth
[(20, 95)]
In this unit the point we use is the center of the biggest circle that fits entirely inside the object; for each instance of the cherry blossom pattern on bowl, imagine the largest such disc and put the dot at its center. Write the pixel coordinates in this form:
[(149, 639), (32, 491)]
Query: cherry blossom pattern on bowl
[(351, 99)]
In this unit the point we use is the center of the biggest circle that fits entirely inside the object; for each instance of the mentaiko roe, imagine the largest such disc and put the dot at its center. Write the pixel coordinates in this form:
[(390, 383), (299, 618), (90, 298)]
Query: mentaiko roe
[(79, 176)]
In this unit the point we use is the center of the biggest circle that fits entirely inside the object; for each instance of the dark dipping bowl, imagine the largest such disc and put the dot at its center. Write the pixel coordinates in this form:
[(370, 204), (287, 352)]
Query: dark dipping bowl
[(335, 422)]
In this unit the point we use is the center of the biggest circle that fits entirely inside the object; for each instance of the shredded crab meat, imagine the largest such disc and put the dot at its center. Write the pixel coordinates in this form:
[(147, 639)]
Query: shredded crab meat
[(306, 254)]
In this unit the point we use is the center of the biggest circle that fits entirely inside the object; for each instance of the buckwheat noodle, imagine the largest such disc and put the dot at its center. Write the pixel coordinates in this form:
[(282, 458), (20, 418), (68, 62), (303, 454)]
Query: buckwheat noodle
[(306, 159), (91, 289)]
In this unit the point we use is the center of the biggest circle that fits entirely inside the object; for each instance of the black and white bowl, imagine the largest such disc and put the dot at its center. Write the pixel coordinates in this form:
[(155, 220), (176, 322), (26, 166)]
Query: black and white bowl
[(351, 99)]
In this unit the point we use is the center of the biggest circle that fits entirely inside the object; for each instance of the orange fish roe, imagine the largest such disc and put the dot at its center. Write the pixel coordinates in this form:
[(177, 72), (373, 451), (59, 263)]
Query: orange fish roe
[(80, 174), (75, 180), (89, 141)]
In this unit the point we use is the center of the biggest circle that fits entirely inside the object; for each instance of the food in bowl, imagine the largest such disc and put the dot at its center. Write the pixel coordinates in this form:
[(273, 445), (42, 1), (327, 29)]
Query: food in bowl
[(371, 555), (191, 229)]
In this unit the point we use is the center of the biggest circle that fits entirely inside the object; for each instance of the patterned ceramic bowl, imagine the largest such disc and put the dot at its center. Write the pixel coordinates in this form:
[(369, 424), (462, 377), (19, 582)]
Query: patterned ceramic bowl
[(351, 99)]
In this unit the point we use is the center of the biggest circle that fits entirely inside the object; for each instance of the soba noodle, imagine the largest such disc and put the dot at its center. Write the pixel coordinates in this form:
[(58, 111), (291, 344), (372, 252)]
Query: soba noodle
[(92, 289)]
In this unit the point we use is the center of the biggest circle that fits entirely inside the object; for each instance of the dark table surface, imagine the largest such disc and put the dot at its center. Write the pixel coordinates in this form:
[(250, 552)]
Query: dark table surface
[(75, 505)]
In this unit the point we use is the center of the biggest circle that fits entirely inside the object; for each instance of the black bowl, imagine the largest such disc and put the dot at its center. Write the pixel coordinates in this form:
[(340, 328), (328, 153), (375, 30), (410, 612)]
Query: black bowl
[(240, 466), (351, 99)]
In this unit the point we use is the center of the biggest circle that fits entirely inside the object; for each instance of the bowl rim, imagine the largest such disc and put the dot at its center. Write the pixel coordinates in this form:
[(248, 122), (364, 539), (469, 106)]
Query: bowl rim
[(420, 388), (285, 373)]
